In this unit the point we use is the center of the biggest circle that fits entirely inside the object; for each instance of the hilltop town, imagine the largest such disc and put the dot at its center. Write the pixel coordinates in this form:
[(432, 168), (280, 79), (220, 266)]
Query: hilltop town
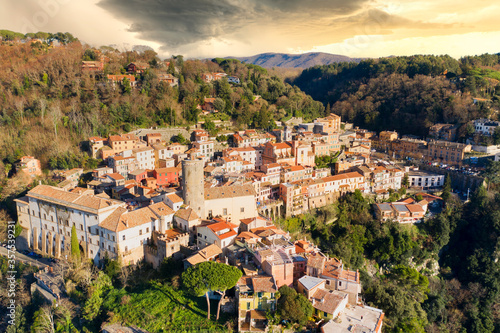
[(131, 177), (195, 203)]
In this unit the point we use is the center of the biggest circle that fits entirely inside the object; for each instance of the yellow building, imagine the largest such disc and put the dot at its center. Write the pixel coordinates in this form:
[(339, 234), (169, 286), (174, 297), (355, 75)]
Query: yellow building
[(255, 295)]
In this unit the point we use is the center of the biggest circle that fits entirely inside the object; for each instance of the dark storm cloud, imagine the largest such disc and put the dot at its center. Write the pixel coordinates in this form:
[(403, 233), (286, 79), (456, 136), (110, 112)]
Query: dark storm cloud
[(175, 23)]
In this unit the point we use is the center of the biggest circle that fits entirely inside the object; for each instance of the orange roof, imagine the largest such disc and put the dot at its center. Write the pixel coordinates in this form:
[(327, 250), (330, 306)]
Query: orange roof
[(407, 201), (281, 145), (174, 198), (215, 227), (227, 234), (342, 176), (115, 176), (121, 77), (415, 208), (247, 235)]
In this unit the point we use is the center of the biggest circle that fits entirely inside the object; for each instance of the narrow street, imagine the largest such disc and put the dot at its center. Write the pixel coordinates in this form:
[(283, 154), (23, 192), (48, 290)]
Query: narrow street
[(40, 263)]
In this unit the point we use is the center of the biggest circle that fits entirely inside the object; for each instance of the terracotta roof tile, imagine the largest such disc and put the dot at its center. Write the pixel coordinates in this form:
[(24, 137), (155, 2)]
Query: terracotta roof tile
[(264, 284), (187, 214)]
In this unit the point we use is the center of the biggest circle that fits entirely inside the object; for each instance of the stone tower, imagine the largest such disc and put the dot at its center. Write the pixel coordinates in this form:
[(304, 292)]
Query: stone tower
[(193, 190)]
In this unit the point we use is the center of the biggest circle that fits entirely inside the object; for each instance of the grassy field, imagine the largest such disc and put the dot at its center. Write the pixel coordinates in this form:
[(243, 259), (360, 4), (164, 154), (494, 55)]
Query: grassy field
[(160, 308)]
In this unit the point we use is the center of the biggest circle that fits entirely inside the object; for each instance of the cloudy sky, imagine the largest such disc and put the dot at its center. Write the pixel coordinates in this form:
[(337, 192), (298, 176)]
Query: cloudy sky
[(208, 28)]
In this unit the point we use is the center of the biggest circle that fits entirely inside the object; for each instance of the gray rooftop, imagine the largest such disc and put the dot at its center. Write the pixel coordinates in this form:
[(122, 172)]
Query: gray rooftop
[(384, 206), (400, 208), (310, 282), (357, 319)]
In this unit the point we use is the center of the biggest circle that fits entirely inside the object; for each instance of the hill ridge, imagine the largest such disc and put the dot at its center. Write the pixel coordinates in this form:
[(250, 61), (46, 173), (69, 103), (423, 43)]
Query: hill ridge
[(288, 60)]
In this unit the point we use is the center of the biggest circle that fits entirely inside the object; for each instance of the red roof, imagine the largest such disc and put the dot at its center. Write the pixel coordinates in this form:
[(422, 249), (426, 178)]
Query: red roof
[(115, 176), (281, 145)]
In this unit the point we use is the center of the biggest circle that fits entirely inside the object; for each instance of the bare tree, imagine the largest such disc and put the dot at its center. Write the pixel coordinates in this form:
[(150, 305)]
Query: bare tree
[(55, 112), (20, 108), (42, 102)]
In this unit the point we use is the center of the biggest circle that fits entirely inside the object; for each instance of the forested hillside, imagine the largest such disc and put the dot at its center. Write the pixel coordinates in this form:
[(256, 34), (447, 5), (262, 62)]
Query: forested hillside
[(439, 276), (49, 105), (407, 94)]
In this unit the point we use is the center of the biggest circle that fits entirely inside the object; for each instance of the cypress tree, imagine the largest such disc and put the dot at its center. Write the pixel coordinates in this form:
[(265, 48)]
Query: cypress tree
[(75, 248)]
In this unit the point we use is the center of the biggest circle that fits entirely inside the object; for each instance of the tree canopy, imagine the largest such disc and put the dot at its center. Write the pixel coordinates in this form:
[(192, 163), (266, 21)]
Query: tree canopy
[(210, 276), (293, 307)]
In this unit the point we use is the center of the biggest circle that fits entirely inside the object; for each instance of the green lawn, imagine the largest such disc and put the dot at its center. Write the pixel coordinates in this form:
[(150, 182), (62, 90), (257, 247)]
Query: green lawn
[(159, 308)]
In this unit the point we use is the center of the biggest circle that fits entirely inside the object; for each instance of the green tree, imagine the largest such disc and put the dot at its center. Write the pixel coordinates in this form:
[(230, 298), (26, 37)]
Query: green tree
[(112, 268), (406, 181), (210, 276), (43, 320), (446, 194), (127, 88), (219, 104), (293, 306), (19, 322), (209, 125), (89, 55), (492, 172), (171, 67), (75, 246), (95, 296)]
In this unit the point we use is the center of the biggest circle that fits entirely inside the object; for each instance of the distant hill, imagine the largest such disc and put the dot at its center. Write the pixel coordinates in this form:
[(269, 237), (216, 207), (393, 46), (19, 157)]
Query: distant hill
[(305, 60)]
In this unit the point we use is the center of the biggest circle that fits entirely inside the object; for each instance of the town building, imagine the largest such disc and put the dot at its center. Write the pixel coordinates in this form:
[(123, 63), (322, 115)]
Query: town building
[(29, 166), (406, 211), (446, 132), (425, 180), (336, 276), (485, 126), (47, 215), (445, 152), (220, 233), (256, 295)]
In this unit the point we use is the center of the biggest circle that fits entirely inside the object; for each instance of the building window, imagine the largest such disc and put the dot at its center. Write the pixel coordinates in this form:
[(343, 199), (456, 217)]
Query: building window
[(242, 209), (82, 238), (113, 238), (147, 230), (123, 237), (81, 227), (140, 232), (224, 211)]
